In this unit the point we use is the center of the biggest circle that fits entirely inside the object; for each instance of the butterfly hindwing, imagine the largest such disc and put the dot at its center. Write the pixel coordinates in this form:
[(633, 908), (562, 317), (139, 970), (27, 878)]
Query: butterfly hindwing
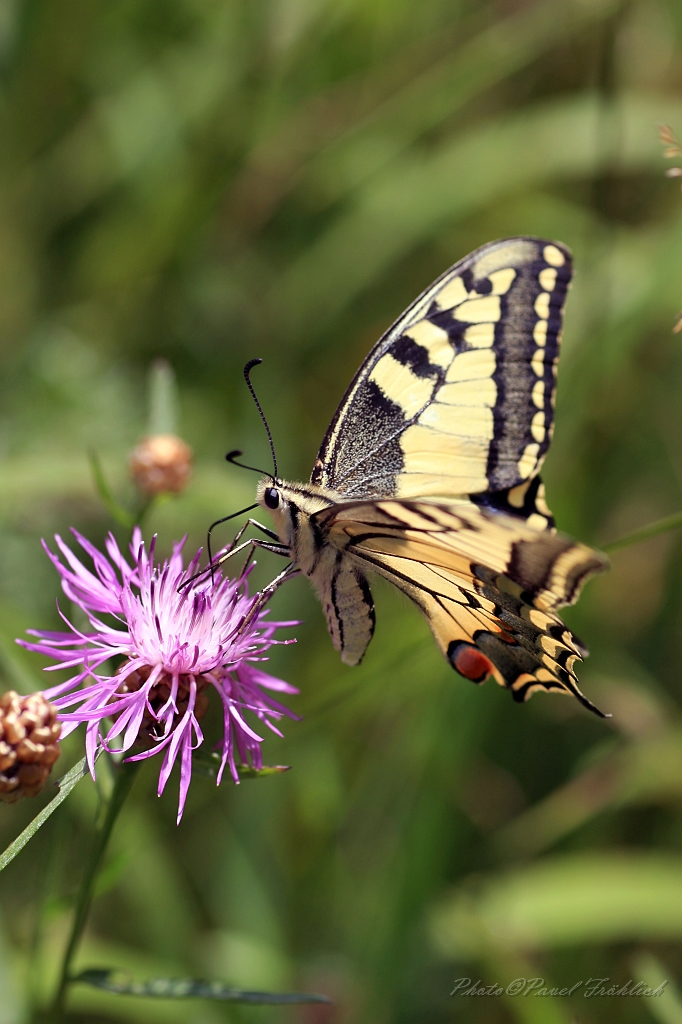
[(457, 397), (488, 584), (526, 500)]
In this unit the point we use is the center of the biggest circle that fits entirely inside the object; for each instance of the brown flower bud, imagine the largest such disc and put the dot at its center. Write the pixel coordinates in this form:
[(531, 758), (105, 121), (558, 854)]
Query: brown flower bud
[(29, 731), (161, 464)]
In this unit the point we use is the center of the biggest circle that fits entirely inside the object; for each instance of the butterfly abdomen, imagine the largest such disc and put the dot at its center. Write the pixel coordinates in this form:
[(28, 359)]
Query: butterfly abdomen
[(347, 603)]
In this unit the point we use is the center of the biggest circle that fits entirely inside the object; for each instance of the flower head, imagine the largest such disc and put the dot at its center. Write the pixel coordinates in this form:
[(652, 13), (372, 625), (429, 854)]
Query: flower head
[(170, 649), (29, 733)]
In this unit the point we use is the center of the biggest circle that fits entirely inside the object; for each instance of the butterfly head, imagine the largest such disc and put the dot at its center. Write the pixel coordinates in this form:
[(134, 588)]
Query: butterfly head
[(285, 498), (291, 506), (271, 497)]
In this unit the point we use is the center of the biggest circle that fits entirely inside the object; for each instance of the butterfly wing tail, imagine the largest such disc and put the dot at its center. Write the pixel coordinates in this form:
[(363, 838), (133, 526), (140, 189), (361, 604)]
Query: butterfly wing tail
[(522, 648)]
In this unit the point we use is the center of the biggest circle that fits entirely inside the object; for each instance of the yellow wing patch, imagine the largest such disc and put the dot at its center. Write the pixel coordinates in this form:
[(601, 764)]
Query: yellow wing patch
[(457, 398)]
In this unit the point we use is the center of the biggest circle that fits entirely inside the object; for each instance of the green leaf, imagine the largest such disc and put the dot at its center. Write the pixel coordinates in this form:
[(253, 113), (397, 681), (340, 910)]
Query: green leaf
[(245, 771), (667, 1009), (163, 399), (648, 771), (564, 901), (208, 764), (19, 675), (109, 876), (436, 94), (413, 197), (185, 988), (122, 516), (66, 784)]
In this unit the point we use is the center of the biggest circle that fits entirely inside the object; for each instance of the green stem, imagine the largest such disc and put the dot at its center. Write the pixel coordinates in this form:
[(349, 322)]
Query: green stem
[(652, 530), (145, 505), (124, 780)]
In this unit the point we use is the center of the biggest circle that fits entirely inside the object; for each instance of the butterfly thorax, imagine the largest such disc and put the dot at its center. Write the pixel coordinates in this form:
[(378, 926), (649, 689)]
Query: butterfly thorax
[(298, 502)]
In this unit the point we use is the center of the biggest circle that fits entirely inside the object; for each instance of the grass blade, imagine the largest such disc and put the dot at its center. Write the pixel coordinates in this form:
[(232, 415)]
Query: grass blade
[(186, 988), (209, 765), (117, 512), (66, 784), (645, 532)]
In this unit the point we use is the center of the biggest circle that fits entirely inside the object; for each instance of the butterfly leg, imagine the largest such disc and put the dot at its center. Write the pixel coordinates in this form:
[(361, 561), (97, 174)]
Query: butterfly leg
[(239, 535), (252, 543), (266, 593), (259, 526), (277, 549)]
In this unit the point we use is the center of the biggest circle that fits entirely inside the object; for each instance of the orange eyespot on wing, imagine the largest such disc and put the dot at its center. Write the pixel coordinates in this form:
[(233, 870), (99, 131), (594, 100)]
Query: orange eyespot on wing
[(469, 662)]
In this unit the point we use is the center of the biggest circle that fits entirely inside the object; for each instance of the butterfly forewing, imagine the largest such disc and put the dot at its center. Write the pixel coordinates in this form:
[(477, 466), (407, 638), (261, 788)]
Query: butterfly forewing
[(457, 398)]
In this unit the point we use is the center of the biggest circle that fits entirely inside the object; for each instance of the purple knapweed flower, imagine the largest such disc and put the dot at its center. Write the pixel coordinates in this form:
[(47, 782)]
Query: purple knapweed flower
[(170, 648)]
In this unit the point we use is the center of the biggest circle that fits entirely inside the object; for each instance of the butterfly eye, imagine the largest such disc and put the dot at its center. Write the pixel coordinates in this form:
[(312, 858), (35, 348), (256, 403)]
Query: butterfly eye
[(271, 497)]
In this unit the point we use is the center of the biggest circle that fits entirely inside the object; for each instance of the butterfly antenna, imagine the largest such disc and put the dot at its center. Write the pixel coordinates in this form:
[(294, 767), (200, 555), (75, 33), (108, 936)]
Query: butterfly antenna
[(247, 370), (232, 457)]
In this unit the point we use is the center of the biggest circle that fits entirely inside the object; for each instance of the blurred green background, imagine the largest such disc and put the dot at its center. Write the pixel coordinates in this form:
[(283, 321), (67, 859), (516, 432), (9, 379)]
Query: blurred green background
[(213, 180)]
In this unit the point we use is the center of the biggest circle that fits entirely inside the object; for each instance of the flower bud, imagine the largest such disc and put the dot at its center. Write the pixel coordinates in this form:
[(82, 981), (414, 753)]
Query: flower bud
[(29, 732), (161, 464)]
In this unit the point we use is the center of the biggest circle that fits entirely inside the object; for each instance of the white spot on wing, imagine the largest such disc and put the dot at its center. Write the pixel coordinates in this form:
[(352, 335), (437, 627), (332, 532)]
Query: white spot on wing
[(537, 427), (553, 256), (542, 305), (547, 279), (457, 464), (474, 365), (452, 294), (540, 332), (538, 363), (502, 280), (469, 392), (536, 521), (481, 335), (539, 619), (512, 253), (463, 420), (528, 460), (517, 495), (540, 502)]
